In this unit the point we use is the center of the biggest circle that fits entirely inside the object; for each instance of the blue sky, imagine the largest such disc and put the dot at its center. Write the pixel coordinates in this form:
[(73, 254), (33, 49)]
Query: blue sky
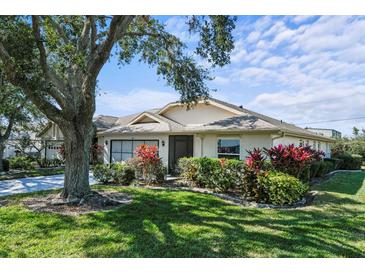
[(299, 69)]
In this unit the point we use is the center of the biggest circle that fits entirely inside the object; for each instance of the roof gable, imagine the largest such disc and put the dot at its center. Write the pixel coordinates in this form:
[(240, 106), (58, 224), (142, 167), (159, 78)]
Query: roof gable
[(145, 117), (199, 114)]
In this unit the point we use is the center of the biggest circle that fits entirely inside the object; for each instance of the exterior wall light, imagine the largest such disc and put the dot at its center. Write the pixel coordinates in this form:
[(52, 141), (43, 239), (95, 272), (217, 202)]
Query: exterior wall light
[(163, 143)]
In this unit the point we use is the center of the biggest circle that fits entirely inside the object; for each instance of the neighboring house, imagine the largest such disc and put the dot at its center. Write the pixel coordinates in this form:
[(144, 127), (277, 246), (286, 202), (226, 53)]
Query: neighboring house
[(327, 132), (14, 140), (212, 128), (52, 137)]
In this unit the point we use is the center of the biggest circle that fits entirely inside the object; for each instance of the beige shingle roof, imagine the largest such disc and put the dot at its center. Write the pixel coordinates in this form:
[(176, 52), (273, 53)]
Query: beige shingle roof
[(248, 121)]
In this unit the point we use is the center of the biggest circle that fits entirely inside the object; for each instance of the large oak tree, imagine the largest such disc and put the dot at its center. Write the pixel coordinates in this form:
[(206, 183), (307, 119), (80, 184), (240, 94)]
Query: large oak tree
[(56, 61)]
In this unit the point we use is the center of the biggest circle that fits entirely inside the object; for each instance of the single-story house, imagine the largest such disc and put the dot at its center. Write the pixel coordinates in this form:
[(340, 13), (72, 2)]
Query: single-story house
[(211, 128)]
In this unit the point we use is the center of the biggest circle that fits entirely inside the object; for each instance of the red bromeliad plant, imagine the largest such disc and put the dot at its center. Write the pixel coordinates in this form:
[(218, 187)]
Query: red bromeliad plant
[(148, 160)]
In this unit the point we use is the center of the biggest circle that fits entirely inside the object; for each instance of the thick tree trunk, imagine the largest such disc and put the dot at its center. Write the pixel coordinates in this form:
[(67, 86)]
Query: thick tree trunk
[(2, 148), (77, 140)]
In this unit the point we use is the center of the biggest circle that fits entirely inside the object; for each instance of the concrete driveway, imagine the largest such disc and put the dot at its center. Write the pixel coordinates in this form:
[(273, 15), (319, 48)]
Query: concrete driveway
[(31, 184)]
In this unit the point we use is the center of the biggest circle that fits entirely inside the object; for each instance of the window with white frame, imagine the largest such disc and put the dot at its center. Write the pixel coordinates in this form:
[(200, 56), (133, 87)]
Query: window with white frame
[(301, 143), (319, 146), (122, 150), (229, 148)]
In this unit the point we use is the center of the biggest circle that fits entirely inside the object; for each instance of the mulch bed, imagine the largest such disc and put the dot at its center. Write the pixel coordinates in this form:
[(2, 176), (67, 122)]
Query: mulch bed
[(97, 201)]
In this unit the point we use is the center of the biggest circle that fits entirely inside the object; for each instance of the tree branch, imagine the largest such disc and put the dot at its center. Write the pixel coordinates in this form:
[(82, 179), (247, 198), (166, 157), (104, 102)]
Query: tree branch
[(82, 43), (50, 76), (118, 27), (93, 35), (43, 104), (9, 127)]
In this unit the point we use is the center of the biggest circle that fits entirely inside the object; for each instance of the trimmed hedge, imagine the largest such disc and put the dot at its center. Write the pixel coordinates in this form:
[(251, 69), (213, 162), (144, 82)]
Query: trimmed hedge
[(218, 174), (320, 168), (280, 188), (118, 173), (22, 163), (233, 175), (350, 161)]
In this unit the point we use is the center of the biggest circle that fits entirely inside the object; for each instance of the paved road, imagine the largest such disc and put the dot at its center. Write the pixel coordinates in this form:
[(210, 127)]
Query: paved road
[(25, 185)]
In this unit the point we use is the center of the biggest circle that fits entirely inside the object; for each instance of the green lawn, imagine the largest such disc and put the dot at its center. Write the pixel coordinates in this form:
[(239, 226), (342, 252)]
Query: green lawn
[(185, 224), (31, 173)]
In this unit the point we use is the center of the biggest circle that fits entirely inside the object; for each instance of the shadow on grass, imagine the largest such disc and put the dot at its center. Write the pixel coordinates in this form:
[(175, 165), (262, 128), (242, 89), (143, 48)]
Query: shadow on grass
[(161, 223), (181, 224)]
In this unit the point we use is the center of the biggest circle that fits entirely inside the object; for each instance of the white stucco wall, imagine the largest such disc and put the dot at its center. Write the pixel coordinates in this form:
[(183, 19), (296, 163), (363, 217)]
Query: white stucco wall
[(247, 142), (287, 140), (199, 114)]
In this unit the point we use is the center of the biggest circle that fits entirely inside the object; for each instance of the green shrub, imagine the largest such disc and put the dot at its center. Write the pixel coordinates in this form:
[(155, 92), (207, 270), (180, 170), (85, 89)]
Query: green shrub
[(219, 174), (206, 169), (22, 163), (279, 188), (118, 173), (188, 168), (349, 161), (103, 173), (153, 174), (122, 173), (6, 165), (315, 168), (51, 162), (336, 163), (227, 176)]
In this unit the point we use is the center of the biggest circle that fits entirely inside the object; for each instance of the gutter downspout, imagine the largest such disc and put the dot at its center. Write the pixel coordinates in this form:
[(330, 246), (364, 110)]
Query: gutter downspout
[(277, 137)]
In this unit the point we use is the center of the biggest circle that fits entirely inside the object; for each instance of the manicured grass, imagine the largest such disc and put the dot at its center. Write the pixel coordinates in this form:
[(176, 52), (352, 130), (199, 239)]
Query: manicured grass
[(184, 224), (31, 173)]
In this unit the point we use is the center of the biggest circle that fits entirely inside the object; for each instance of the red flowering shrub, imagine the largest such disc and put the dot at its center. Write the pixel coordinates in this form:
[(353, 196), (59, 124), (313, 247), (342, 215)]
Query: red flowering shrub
[(291, 159), (149, 162), (255, 160)]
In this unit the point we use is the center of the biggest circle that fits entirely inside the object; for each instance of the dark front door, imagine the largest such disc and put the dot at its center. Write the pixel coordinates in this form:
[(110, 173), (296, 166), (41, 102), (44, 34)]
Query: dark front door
[(179, 146)]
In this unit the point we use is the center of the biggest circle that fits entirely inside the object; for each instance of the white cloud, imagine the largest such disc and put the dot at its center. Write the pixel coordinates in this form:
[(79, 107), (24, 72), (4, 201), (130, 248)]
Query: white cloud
[(301, 18), (119, 104), (316, 60), (177, 26), (273, 61), (221, 80), (253, 37)]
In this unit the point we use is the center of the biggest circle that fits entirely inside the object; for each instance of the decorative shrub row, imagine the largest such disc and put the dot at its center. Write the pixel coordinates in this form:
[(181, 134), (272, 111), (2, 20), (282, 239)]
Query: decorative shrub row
[(146, 166), (320, 168), (118, 173), (22, 163), (349, 161), (254, 180), (219, 174)]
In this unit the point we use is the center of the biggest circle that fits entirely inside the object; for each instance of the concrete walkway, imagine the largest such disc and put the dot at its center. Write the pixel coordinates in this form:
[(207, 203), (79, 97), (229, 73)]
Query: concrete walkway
[(31, 184)]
